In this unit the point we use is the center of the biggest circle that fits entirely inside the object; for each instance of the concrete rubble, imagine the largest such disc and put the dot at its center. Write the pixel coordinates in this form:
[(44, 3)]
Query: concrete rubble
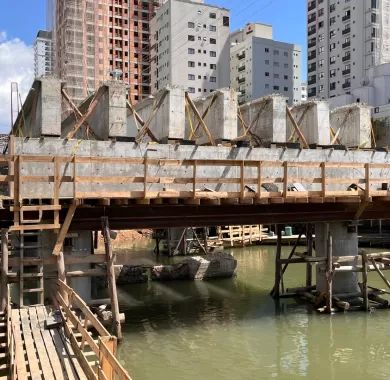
[(218, 265)]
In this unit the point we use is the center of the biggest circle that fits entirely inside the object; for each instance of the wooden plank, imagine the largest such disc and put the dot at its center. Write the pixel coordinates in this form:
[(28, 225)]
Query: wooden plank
[(20, 362), (64, 229), (49, 344), (109, 356), (34, 227), (51, 260), (33, 361), (65, 355), (44, 360)]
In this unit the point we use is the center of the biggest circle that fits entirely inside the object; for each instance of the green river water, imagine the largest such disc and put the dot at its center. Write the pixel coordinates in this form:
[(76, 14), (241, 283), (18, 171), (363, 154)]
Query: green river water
[(231, 329)]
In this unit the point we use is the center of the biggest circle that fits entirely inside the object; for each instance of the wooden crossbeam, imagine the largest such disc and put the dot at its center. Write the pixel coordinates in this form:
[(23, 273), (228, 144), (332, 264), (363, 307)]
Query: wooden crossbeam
[(139, 119), (296, 127), (201, 121), (213, 99)]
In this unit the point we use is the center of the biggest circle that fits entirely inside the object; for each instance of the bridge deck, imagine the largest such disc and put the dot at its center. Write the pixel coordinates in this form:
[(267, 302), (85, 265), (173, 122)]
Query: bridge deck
[(42, 353)]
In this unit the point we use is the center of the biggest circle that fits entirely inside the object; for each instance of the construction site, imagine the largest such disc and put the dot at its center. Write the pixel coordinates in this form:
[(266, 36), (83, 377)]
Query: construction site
[(176, 163)]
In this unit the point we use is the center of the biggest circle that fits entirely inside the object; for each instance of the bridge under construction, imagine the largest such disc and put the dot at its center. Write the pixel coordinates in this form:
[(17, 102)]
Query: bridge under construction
[(170, 161)]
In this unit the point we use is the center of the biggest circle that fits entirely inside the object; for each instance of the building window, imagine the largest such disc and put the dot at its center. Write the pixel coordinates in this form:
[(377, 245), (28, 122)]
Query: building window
[(213, 41), (213, 66), (191, 25), (191, 51), (213, 28), (213, 15), (267, 74), (267, 62), (276, 88), (213, 53), (191, 77), (226, 21), (266, 50), (191, 64), (213, 79), (285, 88), (191, 38), (191, 90)]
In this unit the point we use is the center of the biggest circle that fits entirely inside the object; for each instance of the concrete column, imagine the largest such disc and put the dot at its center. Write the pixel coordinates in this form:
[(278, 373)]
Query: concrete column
[(266, 118), (344, 243), (354, 125), (314, 121)]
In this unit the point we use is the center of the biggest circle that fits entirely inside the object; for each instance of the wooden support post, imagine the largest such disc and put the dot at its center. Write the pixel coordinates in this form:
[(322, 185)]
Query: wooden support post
[(278, 269), (364, 282), (242, 182), (4, 270), (382, 276), (96, 240), (309, 242), (259, 180), (194, 179), (110, 259), (285, 179), (367, 195), (62, 273), (329, 272), (205, 240), (323, 179), (64, 229)]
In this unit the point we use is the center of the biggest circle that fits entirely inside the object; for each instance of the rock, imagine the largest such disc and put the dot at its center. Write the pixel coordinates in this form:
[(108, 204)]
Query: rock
[(127, 274), (215, 265)]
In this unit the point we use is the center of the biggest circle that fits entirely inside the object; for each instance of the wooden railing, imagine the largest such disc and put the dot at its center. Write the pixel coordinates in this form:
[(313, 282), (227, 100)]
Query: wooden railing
[(78, 318), (146, 178), (13, 355)]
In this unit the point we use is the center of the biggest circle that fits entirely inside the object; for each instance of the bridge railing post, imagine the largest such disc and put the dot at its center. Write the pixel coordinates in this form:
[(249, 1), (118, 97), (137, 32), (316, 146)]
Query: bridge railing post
[(367, 180), (323, 179), (285, 179), (4, 270)]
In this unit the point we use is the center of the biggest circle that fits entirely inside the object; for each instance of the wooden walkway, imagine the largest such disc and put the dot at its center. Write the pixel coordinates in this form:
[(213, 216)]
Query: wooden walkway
[(42, 353)]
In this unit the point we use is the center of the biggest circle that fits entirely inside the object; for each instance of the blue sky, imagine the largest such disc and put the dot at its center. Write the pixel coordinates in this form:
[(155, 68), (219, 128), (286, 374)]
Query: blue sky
[(21, 19)]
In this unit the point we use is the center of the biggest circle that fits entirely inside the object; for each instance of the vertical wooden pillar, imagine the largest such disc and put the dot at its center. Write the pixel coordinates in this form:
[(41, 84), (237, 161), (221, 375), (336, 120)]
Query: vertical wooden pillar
[(329, 271), (309, 269), (364, 282), (110, 260), (278, 269), (62, 273), (4, 269)]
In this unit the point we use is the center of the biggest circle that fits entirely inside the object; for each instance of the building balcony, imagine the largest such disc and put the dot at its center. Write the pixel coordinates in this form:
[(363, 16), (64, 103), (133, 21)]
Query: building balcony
[(346, 44), (311, 32), (312, 44), (312, 55), (346, 31), (241, 55), (311, 6), (346, 17), (312, 81), (312, 68), (241, 79), (346, 58), (312, 92), (346, 85), (241, 68), (346, 72), (311, 18)]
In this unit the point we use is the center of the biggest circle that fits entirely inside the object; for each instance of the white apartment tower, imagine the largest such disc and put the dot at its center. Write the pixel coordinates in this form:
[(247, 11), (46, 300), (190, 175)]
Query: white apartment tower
[(190, 46), (346, 38), (261, 66), (43, 63)]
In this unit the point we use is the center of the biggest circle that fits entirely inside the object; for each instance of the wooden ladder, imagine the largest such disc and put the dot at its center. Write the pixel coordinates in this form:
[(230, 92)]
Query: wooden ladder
[(27, 244)]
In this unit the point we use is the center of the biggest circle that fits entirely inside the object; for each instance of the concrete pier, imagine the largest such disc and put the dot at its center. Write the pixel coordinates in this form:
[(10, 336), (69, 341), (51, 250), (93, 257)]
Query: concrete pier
[(221, 119), (313, 120), (344, 243), (265, 119), (352, 125), (168, 121)]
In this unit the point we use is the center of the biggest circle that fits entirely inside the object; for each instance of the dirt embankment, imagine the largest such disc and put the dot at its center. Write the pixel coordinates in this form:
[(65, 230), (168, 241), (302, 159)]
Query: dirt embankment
[(130, 236)]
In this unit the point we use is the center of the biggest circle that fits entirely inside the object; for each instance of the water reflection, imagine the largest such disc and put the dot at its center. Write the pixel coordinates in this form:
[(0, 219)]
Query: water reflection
[(231, 329)]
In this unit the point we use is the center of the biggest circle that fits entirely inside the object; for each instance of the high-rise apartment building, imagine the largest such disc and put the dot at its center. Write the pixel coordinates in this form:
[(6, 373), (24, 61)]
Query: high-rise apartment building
[(261, 66), (346, 39), (43, 62), (95, 40), (190, 46)]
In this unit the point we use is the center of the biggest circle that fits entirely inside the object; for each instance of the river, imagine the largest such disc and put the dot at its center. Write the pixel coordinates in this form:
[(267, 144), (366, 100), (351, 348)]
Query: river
[(231, 329)]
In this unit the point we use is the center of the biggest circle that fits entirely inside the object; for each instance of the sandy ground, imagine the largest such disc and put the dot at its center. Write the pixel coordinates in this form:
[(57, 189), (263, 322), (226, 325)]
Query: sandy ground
[(127, 236)]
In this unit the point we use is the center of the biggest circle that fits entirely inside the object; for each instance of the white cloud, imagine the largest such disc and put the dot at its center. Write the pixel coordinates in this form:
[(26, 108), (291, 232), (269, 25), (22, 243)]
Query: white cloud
[(16, 65)]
